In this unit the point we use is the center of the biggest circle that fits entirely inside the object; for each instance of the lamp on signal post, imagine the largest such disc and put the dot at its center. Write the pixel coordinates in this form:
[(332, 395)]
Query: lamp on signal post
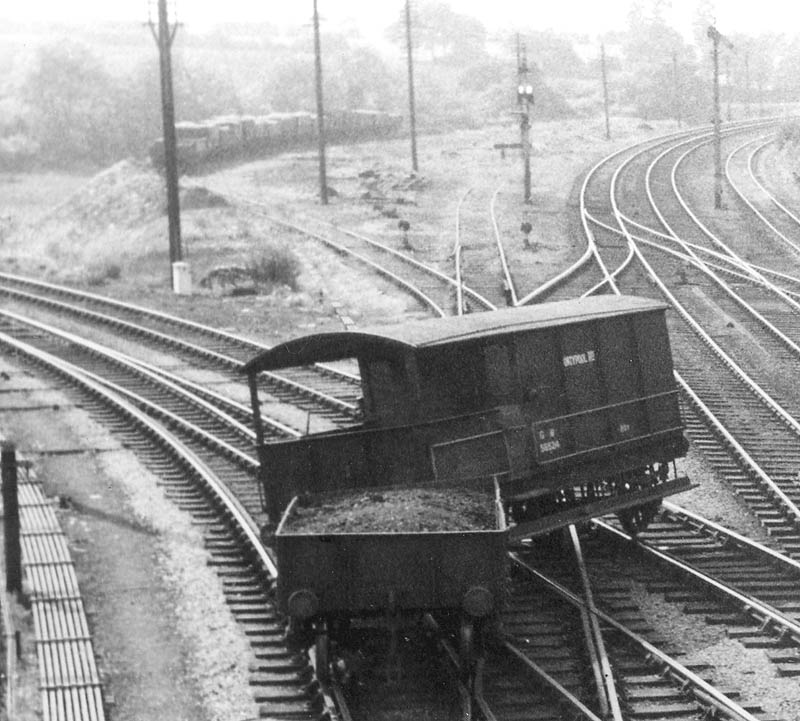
[(525, 102)]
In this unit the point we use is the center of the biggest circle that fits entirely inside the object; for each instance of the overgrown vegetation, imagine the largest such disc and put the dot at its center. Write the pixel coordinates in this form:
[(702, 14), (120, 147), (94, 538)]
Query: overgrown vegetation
[(274, 265), (100, 274)]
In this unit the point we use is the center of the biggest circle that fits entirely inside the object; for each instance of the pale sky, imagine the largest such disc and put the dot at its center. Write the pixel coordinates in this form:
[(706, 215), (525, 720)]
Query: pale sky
[(584, 16)]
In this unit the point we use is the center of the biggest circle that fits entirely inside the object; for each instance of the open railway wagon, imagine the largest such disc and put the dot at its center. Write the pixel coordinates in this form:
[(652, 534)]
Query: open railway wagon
[(383, 571), (570, 409)]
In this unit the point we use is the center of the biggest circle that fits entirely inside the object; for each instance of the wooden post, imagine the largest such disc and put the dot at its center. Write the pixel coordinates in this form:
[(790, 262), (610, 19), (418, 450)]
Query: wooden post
[(323, 174), (164, 36), (8, 464), (714, 35), (677, 87), (716, 38), (605, 88), (412, 115)]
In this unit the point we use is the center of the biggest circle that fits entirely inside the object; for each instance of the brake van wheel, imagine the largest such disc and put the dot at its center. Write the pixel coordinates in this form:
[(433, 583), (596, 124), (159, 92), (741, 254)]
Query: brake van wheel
[(637, 519)]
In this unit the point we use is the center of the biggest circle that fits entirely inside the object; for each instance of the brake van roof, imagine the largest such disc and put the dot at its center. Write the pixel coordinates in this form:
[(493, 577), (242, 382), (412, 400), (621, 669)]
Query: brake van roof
[(395, 340)]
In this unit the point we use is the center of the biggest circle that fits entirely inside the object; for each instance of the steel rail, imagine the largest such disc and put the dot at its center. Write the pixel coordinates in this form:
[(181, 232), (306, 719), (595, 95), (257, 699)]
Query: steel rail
[(242, 459), (604, 676), (681, 255), (727, 257), (788, 504), (381, 246), (701, 689), (740, 451), (451, 655), (232, 510), (122, 305), (170, 341), (730, 536), (712, 237), (161, 316), (591, 246), (794, 247), (575, 703), (422, 266), (776, 408), (216, 399), (771, 196), (248, 531), (418, 293), (640, 149), (409, 287), (703, 267), (508, 280), (709, 251), (760, 611), (457, 256)]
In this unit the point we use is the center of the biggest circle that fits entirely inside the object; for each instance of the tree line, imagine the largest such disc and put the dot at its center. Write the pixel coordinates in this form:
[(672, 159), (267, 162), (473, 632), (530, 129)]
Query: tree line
[(71, 108)]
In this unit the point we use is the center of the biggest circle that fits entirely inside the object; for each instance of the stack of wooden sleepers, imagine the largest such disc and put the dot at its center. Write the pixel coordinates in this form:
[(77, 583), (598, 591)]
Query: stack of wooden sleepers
[(68, 677)]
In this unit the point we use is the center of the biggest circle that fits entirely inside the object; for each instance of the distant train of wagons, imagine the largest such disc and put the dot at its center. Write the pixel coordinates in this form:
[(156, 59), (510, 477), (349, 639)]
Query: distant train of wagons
[(237, 136)]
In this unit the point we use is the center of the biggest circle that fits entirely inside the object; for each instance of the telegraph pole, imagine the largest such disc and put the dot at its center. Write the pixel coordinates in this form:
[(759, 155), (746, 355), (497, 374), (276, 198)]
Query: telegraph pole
[(164, 35), (716, 37), (411, 111), (605, 88), (323, 176), (524, 101), (747, 83), (677, 87), (730, 85)]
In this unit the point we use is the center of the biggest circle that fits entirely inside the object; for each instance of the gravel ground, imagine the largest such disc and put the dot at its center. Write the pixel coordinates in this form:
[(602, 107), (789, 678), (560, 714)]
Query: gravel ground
[(166, 643)]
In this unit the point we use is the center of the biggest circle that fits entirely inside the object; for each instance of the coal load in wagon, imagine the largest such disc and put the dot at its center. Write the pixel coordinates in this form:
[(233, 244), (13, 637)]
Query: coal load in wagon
[(407, 510)]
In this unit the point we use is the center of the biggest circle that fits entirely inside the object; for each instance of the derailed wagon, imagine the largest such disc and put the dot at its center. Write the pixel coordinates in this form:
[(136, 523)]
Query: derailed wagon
[(571, 406), (565, 410)]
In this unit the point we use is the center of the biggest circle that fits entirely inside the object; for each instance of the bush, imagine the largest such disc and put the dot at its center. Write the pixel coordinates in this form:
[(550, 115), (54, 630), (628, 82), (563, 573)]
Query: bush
[(275, 265), (100, 274)]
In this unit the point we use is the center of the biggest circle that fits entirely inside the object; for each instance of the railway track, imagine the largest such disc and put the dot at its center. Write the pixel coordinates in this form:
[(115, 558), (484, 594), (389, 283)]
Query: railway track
[(761, 486), (647, 680), (282, 698), (324, 390), (699, 369), (435, 289)]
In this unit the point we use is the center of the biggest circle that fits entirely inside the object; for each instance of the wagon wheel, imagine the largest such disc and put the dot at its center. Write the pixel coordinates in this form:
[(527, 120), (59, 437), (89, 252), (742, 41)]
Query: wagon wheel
[(322, 646), (637, 519)]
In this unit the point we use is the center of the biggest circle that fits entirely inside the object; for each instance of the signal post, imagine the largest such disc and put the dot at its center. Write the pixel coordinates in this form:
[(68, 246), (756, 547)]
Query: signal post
[(525, 102)]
